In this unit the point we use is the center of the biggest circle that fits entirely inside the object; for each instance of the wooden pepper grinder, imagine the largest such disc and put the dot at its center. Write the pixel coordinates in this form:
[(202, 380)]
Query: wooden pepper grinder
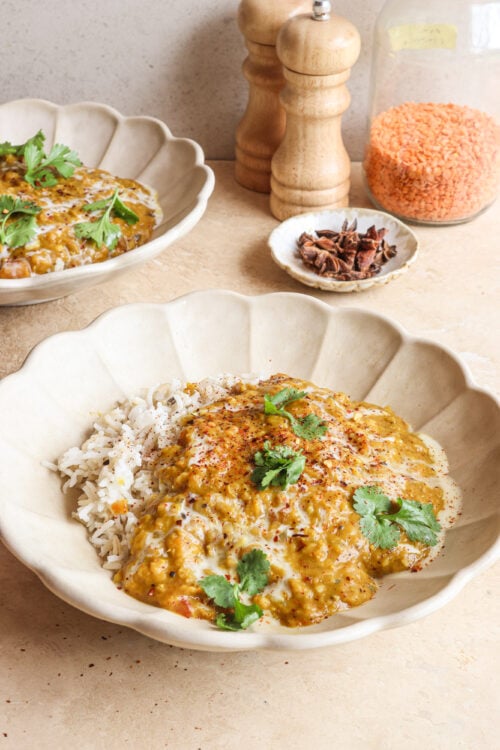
[(263, 125), (311, 168)]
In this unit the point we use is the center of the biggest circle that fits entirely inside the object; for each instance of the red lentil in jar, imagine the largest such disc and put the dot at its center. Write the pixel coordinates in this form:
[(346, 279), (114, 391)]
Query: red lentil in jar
[(433, 162)]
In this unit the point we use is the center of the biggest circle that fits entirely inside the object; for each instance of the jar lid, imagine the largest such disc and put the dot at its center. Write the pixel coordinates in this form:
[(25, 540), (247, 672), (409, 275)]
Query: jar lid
[(320, 43)]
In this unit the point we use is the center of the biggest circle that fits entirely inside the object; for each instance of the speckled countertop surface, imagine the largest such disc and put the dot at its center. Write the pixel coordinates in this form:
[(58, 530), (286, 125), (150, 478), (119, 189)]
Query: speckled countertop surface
[(68, 680)]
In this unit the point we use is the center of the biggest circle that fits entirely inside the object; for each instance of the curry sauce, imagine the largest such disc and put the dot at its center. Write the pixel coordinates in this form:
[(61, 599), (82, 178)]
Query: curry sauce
[(211, 513)]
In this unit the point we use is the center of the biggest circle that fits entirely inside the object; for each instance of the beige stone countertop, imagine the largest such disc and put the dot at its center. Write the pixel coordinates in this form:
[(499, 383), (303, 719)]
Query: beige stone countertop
[(71, 681)]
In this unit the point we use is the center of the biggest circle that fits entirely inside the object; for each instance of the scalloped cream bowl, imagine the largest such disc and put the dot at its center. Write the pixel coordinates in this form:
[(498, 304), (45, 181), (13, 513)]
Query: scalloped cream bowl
[(51, 403), (140, 148)]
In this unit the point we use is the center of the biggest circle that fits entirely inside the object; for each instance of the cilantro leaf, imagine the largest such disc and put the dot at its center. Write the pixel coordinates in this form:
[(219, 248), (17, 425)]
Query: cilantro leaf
[(117, 207), (283, 397), (11, 204), (252, 571), (219, 589), (244, 616), (103, 231), (38, 139), (371, 500), (16, 232), (273, 403), (101, 205), (251, 614), (417, 520), (277, 467), (63, 160), (247, 615), (19, 232), (382, 529), (7, 147), (225, 622), (43, 170), (33, 157), (124, 212), (308, 427)]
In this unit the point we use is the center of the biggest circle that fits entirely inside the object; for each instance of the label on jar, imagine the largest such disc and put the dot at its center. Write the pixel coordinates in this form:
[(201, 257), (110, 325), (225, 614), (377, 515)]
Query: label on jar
[(423, 36)]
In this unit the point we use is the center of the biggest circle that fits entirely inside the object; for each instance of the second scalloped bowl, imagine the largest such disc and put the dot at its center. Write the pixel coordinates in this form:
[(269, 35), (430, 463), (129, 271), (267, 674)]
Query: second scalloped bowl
[(138, 148)]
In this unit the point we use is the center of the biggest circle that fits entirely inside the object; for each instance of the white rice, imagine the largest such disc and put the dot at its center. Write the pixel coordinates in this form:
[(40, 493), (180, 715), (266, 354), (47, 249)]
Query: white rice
[(116, 462)]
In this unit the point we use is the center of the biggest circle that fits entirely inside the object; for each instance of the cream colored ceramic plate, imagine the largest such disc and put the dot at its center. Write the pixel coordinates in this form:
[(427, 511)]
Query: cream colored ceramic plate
[(140, 148), (47, 406), (283, 244)]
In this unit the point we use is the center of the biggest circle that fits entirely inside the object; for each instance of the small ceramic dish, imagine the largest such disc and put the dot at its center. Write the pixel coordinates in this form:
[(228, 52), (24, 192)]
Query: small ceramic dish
[(139, 148), (283, 244), (51, 404)]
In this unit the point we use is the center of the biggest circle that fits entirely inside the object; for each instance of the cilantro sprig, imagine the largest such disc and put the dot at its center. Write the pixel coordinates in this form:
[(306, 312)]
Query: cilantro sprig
[(252, 571), (277, 467), (382, 528), (17, 221), (308, 427), (103, 231), (8, 148), (117, 207), (43, 170)]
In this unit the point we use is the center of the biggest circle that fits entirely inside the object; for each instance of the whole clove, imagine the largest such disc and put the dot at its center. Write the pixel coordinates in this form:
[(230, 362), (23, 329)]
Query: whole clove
[(346, 255)]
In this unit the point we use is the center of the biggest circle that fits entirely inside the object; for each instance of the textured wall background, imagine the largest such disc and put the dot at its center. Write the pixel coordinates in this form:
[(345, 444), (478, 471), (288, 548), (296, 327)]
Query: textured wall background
[(180, 61)]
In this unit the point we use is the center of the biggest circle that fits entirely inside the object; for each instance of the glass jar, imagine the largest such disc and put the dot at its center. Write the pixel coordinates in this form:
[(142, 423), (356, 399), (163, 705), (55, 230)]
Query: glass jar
[(433, 143)]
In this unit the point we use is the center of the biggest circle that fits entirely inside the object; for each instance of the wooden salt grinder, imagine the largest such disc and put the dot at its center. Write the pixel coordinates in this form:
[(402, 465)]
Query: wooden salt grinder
[(311, 168), (263, 125)]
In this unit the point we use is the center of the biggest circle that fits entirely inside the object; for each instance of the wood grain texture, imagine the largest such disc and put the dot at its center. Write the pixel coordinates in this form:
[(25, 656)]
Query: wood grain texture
[(263, 124), (311, 167)]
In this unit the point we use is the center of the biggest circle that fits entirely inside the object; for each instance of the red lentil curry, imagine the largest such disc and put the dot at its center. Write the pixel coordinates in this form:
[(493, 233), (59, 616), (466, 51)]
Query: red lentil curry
[(55, 245), (212, 513)]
